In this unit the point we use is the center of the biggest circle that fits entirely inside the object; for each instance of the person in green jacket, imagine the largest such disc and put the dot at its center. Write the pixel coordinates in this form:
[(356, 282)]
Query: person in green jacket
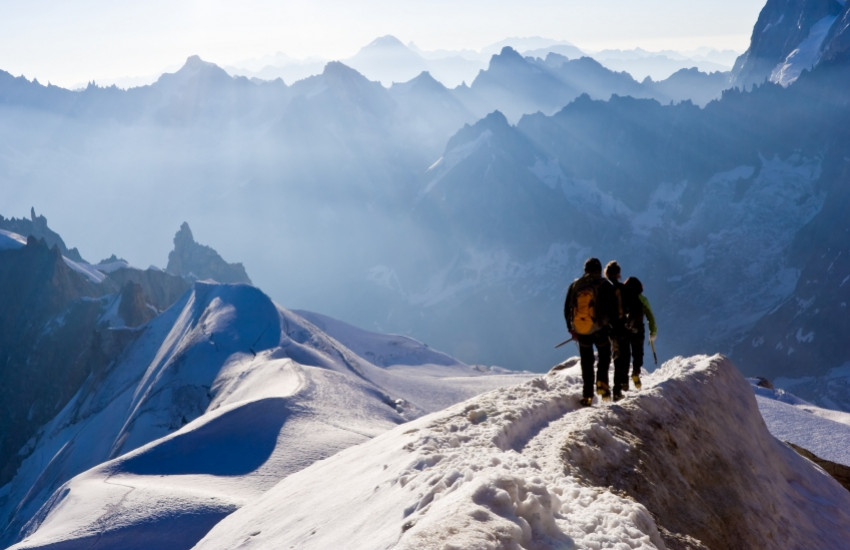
[(637, 308)]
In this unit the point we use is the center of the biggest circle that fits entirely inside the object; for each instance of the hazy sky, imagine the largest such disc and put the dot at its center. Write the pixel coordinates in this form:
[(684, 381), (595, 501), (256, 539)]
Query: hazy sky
[(69, 43)]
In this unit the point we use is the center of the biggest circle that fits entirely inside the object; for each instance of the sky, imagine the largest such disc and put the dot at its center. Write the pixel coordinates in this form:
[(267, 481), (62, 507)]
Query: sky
[(71, 43)]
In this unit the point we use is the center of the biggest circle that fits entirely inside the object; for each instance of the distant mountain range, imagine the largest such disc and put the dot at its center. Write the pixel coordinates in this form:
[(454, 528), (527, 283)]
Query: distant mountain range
[(388, 60), (459, 215), (164, 407)]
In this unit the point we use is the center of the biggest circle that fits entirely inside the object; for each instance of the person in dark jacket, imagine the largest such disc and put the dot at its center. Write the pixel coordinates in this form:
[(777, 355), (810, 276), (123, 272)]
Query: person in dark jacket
[(588, 310), (637, 309), (619, 335)]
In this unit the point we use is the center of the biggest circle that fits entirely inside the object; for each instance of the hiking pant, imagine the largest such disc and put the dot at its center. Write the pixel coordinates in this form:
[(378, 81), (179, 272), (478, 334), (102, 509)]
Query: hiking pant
[(635, 344), (621, 350), (585, 349)]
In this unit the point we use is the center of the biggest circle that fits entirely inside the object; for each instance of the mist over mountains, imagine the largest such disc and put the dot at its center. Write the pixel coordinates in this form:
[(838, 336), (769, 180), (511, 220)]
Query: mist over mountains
[(388, 60), (459, 215), (182, 405)]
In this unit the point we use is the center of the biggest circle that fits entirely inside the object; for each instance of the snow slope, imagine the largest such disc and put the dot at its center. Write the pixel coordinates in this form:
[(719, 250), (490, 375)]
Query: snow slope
[(805, 55), (11, 241), (824, 432), (217, 400), (685, 462), (294, 441)]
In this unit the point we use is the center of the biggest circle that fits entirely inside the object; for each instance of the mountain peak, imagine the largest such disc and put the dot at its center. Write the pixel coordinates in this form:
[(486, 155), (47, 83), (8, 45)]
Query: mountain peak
[(495, 123), (196, 261), (788, 37), (339, 69), (386, 41), (507, 55), (196, 68), (195, 61)]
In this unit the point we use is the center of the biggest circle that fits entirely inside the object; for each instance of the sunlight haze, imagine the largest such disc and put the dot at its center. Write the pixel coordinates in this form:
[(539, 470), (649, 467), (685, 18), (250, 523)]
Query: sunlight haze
[(70, 44)]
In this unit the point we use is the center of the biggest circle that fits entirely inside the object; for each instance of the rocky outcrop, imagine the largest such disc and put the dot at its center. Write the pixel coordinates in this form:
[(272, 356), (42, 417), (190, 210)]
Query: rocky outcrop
[(785, 30), (46, 341), (200, 262), (133, 308), (55, 333), (36, 227), (160, 289)]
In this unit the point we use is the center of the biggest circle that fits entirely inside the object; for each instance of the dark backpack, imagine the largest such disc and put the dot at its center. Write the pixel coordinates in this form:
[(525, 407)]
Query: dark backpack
[(632, 308)]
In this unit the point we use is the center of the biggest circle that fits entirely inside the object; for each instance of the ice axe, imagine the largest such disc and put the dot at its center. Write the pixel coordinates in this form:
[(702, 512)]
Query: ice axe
[(652, 345), (567, 341)]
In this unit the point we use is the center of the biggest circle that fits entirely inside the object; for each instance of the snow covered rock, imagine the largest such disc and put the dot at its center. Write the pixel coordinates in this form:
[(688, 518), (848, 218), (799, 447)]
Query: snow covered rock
[(788, 37), (685, 463)]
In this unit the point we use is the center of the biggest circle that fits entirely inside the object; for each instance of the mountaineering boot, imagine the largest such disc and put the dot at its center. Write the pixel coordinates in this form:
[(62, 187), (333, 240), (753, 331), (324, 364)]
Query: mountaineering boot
[(603, 389), (618, 395), (636, 380), (586, 401)]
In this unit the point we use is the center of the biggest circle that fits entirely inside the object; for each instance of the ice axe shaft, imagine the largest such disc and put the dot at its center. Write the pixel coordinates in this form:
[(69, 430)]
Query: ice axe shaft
[(654, 356), (567, 341)]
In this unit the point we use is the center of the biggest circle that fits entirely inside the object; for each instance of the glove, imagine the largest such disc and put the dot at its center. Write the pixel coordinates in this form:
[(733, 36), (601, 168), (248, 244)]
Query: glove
[(652, 338), (574, 334)]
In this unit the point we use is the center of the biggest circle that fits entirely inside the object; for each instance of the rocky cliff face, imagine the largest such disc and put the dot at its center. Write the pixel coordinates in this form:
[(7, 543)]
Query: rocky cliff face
[(46, 345), (160, 289), (36, 227), (200, 262), (789, 36), (59, 328)]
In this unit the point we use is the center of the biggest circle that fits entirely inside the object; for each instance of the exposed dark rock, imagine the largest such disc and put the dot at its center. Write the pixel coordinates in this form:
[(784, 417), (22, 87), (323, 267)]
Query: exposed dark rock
[(36, 227), (764, 383), (200, 262), (46, 336), (160, 289), (53, 334), (133, 308), (782, 26)]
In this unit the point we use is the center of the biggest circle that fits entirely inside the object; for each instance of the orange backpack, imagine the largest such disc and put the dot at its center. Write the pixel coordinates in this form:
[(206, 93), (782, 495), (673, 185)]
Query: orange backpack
[(584, 309)]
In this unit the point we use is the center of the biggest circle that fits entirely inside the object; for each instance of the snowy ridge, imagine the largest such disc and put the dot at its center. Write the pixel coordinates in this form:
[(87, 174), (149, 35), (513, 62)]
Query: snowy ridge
[(13, 241), (686, 460), (218, 399)]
